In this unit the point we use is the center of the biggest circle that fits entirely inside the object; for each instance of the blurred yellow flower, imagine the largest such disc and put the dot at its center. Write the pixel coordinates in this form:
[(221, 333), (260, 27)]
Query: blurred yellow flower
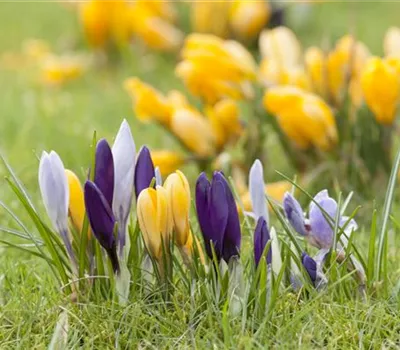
[(167, 161), (148, 103), (211, 17), (155, 220), (344, 63), (57, 70), (315, 63), (380, 85), (247, 18), (274, 190), (76, 207), (213, 68), (304, 117), (225, 121), (391, 42), (36, 49), (281, 46), (194, 131)]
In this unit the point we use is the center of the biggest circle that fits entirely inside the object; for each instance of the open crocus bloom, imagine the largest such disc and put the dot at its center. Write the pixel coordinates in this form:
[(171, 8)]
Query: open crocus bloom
[(316, 228)]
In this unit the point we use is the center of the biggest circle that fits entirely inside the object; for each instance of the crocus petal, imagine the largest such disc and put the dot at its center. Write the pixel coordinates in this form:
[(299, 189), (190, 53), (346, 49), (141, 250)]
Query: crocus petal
[(232, 236), (261, 238), (124, 153), (54, 189), (310, 265), (202, 209), (257, 194), (144, 172), (100, 216), (218, 214), (158, 176), (104, 172), (351, 226), (76, 201), (294, 213), (275, 252), (318, 198), (321, 230)]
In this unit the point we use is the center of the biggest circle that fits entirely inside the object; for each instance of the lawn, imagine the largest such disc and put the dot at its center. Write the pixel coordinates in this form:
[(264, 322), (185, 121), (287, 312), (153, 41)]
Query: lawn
[(36, 118)]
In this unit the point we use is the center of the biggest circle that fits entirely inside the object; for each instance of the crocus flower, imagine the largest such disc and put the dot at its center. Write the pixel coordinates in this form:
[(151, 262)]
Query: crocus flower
[(257, 194), (155, 220), (53, 185), (310, 265), (167, 161), (261, 238), (218, 216), (144, 171), (391, 42), (380, 85), (124, 153), (98, 201), (76, 206), (316, 229)]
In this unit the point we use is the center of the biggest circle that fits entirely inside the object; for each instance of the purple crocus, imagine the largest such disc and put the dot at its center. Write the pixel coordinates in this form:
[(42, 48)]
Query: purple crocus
[(261, 238), (98, 202), (316, 228), (144, 171), (218, 216), (310, 265)]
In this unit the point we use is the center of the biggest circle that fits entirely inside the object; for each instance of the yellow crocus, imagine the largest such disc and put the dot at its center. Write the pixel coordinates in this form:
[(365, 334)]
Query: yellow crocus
[(315, 63), (391, 42), (380, 85), (194, 131), (247, 18), (304, 117), (225, 120), (76, 207), (210, 17), (57, 70), (214, 69), (280, 45), (148, 103), (274, 190), (155, 220), (167, 161)]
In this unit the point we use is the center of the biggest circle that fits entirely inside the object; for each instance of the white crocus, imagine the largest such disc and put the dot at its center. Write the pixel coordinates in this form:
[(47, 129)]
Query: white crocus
[(124, 154), (257, 191), (53, 185)]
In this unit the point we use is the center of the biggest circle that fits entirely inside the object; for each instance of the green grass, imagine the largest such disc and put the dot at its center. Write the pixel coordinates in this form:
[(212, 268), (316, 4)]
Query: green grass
[(34, 118)]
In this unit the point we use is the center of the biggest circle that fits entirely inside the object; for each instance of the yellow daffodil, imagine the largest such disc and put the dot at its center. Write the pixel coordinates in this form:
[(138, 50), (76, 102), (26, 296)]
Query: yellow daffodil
[(57, 70), (213, 68), (167, 161), (380, 85), (155, 220), (194, 131), (247, 18), (304, 117), (391, 42), (149, 104), (225, 121), (76, 207), (211, 17)]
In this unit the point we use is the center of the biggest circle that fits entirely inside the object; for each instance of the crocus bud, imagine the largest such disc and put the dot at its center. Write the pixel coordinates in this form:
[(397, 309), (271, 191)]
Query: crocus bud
[(178, 191), (310, 265), (391, 42), (76, 201), (53, 185), (194, 132), (218, 216), (167, 161), (257, 191), (155, 220), (101, 220), (261, 238), (124, 153), (294, 213), (104, 171), (380, 86), (144, 171)]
